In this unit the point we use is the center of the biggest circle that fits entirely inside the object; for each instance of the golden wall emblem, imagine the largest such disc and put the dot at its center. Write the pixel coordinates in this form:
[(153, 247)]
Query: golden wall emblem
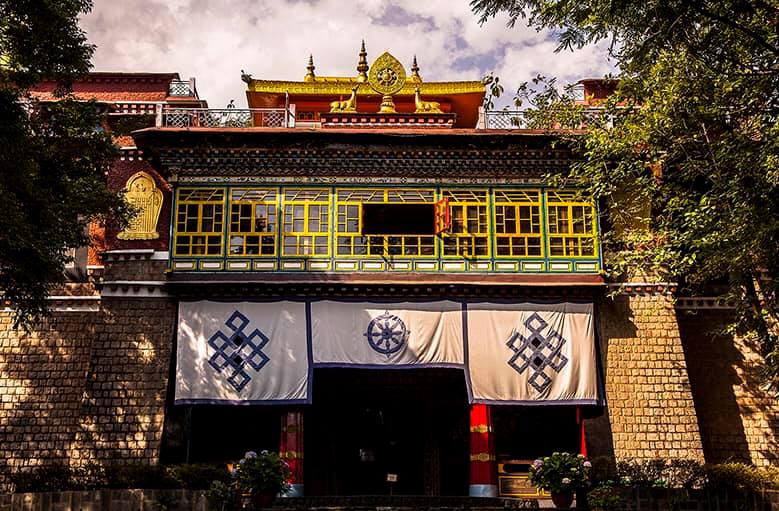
[(142, 193), (387, 76)]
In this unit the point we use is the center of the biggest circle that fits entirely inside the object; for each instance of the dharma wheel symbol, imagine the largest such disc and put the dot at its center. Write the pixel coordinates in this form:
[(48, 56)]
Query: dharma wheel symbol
[(387, 77), (387, 333)]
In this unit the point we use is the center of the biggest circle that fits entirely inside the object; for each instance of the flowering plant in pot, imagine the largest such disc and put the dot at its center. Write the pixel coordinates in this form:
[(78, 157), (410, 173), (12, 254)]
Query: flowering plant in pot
[(561, 474), (262, 476)]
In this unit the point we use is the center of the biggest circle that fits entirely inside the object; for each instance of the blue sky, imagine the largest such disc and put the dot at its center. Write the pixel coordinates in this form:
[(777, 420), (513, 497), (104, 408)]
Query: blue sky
[(213, 40)]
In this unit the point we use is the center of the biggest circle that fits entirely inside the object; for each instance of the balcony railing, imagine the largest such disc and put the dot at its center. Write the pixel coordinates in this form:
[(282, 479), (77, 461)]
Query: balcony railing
[(227, 118), (181, 88), (528, 119), (505, 120)]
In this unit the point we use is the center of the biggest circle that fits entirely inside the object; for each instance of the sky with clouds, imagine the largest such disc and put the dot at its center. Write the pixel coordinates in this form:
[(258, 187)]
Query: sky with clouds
[(213, 40)]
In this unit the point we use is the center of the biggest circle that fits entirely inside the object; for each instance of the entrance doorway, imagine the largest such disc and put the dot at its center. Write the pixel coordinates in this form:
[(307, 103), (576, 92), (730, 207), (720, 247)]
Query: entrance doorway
[(365, 425)]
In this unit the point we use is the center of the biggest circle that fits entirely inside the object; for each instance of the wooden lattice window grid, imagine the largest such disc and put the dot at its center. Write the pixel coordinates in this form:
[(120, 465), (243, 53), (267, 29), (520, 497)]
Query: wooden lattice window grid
[(199, 222), (571, 223), (469, 234), (349, 224), (305, 223), (253, 222), (518, 226)]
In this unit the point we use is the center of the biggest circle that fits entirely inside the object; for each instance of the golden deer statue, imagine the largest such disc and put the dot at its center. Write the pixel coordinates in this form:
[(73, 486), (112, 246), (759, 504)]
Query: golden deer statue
[(350, 105), (425, 107)]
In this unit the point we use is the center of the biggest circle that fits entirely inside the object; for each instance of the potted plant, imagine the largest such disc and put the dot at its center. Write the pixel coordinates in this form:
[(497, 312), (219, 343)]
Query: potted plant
[(604, 498), (262, 476), (561, 474)]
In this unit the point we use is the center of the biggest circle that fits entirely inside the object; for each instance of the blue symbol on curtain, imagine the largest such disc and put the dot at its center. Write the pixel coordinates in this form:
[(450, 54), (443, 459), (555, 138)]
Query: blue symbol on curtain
[(537, 352), (387, 333), (233, 352)]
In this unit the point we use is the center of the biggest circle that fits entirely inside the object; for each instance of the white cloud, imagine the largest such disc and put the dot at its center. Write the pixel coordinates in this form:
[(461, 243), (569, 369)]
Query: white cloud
[(213, 40)]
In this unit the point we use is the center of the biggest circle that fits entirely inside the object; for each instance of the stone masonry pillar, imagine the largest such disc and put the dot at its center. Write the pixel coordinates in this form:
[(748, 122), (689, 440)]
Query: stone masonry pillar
[(650, 403)]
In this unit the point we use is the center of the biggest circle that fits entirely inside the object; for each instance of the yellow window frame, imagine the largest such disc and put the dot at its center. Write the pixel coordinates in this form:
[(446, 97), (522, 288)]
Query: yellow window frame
[(464, 200), (193, 205), (572, 243), (265, 198), (312, 203), (515, 200), (377, 246)]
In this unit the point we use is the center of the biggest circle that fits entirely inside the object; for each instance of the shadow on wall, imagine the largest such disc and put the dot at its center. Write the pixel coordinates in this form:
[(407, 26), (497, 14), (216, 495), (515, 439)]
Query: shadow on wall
[(41, 387), (85, 386), (122, 412), (738, 420), (614, 320)]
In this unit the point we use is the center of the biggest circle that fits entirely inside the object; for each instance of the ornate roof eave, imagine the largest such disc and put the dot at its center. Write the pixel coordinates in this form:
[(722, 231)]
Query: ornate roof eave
[(334, 86), (255, 152)]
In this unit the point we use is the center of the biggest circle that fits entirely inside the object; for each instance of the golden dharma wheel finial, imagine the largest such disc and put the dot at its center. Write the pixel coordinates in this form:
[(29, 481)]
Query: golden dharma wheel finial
[(362, 65), (310, 77), (415, 72), (142, 194), (387, 76)]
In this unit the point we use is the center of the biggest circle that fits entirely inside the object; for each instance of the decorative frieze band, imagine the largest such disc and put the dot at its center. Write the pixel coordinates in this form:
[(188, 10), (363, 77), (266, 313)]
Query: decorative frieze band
[(130, 154), (136, 254), (134, 289), (703, 303), (643, 288)]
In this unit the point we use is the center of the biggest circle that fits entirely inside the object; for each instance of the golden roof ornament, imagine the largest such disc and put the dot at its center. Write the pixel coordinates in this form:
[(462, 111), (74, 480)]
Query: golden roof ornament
[(310, 77), (362, 65), (387, 76), (425, 107), (415, 72), (350, 105)]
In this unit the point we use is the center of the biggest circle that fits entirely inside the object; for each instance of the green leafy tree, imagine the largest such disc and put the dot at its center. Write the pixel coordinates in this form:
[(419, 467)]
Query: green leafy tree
[(686, 152), (53, 157)]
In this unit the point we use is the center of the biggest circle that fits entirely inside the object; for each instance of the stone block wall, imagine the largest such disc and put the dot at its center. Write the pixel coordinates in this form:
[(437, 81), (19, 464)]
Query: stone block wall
[(42, 380), (90, 382), (122, 412), (115, 500), (649, 399), (739, 421)]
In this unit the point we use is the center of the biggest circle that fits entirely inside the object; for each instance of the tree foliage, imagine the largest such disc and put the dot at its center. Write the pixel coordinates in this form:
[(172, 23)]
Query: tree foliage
[(688, 145), (53, 157)]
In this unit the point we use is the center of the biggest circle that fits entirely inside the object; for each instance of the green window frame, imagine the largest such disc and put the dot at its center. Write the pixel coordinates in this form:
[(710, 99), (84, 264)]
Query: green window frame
[(571, 225), (199, 222), (253, 222), (469, 235), (349, 240), (305, 227), (518, 224)]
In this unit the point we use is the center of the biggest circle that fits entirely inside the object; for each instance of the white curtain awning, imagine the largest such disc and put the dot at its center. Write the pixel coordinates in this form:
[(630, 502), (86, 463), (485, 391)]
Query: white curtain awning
[(264, 352)]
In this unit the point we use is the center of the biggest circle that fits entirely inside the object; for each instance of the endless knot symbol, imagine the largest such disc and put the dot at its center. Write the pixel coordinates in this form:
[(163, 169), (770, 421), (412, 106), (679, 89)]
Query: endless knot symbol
[(387, 333), (235, 352), (537, 352)]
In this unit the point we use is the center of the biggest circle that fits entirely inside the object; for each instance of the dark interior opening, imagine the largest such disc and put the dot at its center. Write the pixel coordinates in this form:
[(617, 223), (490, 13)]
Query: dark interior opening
[(530, 432), (219, 433), (398, 219), (365, 424)]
